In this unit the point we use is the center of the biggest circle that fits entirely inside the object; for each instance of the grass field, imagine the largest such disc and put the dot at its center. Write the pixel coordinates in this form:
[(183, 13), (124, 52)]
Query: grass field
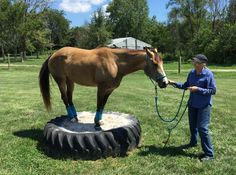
[(22, 119)]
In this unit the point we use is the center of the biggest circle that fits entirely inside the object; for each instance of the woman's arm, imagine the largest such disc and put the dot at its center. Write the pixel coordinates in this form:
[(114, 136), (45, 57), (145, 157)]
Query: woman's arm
[(180, 85), (211, 87)]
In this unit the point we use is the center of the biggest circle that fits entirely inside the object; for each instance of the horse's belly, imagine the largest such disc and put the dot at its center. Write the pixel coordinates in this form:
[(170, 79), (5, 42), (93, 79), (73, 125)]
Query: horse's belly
[(85, 83), (82, 76)]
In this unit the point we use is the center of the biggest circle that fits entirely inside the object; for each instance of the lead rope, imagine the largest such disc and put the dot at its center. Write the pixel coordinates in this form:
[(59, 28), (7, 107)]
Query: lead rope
[(169, 128)]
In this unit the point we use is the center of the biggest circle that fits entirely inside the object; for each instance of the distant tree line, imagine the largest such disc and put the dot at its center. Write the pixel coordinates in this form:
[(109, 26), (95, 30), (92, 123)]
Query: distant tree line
[(193, 26)]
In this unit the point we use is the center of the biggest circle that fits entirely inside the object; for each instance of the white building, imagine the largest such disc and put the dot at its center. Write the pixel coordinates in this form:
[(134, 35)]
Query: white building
[(129, 43)]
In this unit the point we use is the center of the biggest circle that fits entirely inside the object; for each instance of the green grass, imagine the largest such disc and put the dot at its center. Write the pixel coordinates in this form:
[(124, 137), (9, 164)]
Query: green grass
[(30, 60), (23, 117)]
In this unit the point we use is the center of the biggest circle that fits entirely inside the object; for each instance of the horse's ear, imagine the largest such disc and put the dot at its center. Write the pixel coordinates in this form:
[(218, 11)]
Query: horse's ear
[(149, 53), (156, 50)]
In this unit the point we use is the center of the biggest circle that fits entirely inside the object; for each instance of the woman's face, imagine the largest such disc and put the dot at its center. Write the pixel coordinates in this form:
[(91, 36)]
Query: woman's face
[(197, 65)]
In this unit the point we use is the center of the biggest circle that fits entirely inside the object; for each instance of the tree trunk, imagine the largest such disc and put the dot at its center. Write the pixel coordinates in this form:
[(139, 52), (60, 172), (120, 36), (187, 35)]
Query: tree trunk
[(15, 53), (23, 56), (3, 53), (213, 24)]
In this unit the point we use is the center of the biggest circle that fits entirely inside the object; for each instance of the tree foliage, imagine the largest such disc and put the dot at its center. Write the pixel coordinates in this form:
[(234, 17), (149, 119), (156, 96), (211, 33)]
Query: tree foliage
[(204, 26), (98, 33), (22, 27), (193, 26), (231, 13), (128, 18), (58, 27)]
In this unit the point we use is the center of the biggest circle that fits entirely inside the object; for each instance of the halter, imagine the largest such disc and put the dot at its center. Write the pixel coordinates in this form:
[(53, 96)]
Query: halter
[(159, 77)]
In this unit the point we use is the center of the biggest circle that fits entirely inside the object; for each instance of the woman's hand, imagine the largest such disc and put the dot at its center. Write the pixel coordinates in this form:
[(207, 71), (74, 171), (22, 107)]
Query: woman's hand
[(171, 82), (193, 88)]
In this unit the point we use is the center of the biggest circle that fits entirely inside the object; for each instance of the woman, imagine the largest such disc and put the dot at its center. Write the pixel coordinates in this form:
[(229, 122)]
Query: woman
[(202, 86)]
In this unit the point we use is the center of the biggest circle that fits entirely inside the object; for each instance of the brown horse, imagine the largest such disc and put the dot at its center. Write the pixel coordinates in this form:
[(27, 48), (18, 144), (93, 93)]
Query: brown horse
[(101, 67)]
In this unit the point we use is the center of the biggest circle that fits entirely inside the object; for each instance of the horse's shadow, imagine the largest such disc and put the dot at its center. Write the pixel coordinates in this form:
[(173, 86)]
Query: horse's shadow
[(165, 151), (42, 147)]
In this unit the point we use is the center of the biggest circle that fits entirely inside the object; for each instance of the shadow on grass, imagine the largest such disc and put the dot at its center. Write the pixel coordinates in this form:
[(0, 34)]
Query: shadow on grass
[(165, 151), (42, 147), (34, 134)]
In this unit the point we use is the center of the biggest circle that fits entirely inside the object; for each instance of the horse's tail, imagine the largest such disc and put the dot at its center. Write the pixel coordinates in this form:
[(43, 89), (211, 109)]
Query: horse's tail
[(44, 84)]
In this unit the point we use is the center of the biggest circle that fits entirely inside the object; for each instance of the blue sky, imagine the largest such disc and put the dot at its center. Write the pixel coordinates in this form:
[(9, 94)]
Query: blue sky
[(80, 11)]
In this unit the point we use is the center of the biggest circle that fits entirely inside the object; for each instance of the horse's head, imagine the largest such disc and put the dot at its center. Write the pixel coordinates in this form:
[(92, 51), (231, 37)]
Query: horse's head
[(154, 68)]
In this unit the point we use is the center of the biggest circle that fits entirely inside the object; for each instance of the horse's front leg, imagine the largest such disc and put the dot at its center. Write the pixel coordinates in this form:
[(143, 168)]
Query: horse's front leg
[(104, 91)]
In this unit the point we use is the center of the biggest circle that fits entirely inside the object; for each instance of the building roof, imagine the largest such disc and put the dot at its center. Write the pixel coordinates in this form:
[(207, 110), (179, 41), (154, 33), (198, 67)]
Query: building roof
[(128, 42)]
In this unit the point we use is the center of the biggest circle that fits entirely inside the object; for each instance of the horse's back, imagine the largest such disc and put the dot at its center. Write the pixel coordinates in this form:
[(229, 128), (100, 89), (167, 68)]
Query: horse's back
[(76, 54), (67, 52), (82, 66)]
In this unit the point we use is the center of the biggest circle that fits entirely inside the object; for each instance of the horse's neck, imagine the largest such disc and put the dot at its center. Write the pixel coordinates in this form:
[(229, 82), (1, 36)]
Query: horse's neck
[(131, 61)]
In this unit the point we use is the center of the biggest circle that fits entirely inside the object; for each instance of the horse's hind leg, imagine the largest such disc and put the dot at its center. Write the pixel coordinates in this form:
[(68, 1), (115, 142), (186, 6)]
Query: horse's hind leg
[(70, 89), (63, 89)]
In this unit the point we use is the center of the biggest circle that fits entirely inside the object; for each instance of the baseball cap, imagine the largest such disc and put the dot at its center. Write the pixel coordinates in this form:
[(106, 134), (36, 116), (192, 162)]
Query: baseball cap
[(200, 58)]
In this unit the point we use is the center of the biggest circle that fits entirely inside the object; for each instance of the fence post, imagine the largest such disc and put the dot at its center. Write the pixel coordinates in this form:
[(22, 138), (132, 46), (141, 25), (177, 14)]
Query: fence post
[(179, 65), (22, 55), (8, 61)]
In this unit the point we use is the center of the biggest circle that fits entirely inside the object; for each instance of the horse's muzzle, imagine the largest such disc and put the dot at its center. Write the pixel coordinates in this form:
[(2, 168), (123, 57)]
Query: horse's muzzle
[(163, 83)]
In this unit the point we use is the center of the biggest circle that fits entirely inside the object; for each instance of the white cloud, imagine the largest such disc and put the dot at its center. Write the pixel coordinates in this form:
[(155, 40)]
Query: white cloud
[(104, 9), (77, 6), (96, 2)]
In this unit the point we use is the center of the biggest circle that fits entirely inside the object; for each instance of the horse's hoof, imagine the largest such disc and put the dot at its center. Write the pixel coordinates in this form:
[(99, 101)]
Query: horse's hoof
[(97, 127), (75, 120), (101, 122)]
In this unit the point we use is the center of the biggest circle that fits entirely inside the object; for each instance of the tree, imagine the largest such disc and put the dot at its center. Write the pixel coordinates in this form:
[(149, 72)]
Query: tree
[(30, 22), (37, 39), (222, 48), (128, 18), (20, 20), (190, 12), (99, 35), (4, 27), (83, 36), (202, 39), (185, 20), (58, 27), (159, 35), (231, 13), (95, 33), (73, 36), (14, 16), (217, 10)]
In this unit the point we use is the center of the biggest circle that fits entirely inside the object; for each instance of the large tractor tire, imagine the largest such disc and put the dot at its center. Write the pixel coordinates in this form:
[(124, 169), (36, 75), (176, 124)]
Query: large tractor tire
[(119, 134)]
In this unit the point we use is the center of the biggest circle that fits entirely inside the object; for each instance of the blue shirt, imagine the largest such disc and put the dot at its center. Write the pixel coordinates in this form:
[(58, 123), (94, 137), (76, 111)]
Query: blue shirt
[(206, 88)]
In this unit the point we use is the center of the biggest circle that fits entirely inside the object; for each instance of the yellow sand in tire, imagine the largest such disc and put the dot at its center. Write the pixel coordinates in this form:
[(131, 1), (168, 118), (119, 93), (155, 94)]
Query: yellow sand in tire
[(111, 120)]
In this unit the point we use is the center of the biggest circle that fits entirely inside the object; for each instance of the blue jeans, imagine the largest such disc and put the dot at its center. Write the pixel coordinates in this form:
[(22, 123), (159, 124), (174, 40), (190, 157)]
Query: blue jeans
[(199, 119)]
